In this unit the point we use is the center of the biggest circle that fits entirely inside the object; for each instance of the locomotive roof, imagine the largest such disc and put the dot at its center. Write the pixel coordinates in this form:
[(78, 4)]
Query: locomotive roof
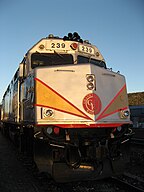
[(72, 39)]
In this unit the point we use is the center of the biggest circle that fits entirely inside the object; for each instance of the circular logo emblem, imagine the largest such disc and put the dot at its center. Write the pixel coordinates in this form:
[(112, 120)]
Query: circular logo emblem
[(92, 104)]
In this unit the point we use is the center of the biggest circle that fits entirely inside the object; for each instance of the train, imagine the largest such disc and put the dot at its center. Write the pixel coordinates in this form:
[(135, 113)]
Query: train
[(67, 111)]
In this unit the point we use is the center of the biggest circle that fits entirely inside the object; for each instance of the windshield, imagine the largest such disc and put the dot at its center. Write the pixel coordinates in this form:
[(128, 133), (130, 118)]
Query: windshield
[(82, 59), (49, 59)]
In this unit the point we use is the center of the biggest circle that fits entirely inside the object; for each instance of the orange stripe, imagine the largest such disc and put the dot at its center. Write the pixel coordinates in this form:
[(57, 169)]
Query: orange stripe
[(48, 97)]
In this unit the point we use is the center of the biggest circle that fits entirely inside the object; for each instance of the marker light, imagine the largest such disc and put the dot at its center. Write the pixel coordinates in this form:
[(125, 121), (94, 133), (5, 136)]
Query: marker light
[(56, 130), (119, 128), (51, 36), (97, 54), (41, 46), (74, 46), (49, 130)]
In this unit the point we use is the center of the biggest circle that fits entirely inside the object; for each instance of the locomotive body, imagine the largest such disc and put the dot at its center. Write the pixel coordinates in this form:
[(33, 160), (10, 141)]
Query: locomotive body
[(68, 111)]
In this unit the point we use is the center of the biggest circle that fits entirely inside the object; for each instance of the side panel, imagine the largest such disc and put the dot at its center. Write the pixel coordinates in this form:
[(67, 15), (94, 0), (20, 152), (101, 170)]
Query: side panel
[(15, 101), (5, 106), (10, 103), (27, 100)]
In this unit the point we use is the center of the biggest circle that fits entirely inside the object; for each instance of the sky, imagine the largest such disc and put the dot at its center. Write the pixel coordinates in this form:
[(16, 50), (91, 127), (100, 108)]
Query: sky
[(116, 27)]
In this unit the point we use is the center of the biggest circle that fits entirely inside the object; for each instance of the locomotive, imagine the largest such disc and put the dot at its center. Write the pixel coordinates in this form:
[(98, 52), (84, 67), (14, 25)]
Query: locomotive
[(68, 111)]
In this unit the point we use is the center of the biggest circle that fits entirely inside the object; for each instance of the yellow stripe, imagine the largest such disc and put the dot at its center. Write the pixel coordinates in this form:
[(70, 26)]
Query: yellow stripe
[(46, 96)]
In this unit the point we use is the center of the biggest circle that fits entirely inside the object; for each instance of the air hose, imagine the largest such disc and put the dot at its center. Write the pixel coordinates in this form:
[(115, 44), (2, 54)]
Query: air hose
[(72, 156)]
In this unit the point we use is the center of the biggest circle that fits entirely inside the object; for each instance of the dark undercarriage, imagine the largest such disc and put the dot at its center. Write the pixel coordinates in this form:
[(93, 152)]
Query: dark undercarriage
[(83, 154), (74, 154)]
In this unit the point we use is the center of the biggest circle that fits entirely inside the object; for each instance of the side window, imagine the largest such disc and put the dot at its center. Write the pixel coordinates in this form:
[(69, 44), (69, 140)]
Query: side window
[(16, 86), (15, 82)]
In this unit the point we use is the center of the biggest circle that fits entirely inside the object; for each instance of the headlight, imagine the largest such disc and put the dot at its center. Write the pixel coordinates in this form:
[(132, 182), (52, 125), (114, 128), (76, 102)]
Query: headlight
[(124, 114), (47, 113), (91, 81), (90, 86), (90, 78)]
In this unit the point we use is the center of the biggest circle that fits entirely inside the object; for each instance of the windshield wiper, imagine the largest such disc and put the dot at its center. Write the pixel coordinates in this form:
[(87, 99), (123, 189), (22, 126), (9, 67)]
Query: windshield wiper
[(61, 56)]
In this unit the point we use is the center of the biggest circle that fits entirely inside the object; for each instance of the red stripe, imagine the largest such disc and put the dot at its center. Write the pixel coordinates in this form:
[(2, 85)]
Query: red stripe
[(84, 115), (77, 126), (39, 105), (100, 117)]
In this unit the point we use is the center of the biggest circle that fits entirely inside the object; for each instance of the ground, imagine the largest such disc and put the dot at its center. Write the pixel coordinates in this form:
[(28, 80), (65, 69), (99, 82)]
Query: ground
[(14, 177)]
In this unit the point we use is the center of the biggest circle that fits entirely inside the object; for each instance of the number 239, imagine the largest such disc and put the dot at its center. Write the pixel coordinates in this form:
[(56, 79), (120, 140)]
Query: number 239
[(57, 45)]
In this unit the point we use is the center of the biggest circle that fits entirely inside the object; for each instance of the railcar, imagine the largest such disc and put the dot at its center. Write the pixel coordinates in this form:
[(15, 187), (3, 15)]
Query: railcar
[(68, 111)]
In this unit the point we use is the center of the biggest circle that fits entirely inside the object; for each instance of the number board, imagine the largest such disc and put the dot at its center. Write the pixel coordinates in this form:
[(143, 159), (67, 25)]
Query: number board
[(56, 45), (86, 49)]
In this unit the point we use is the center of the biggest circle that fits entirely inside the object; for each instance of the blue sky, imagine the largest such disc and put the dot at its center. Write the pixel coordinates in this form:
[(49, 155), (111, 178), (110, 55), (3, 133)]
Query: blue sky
[(116, 27)]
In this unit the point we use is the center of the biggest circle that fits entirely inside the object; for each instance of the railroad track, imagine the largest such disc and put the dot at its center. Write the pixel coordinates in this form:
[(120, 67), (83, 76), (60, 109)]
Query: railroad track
[(130, 182), (110, 185), (126, 183), (41, 182), (137, 141)]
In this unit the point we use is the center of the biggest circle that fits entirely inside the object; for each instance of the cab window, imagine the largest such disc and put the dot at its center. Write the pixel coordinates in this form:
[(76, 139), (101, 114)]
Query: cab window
[(50, 59), (82, 59)]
